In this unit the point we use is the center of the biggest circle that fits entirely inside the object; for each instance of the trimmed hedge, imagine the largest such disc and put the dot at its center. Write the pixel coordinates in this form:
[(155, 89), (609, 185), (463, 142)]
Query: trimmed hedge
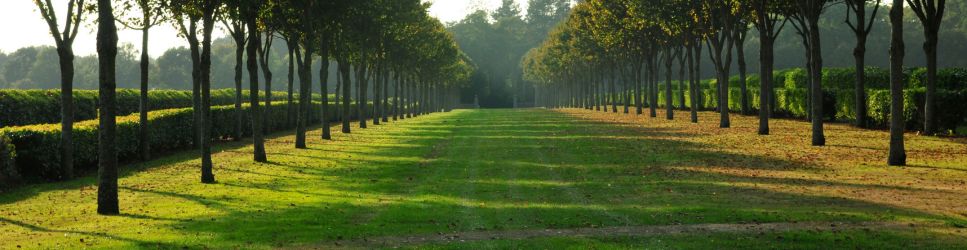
[(38, 155), (8, 170), (949, 78), (838, 105), (28, 107)]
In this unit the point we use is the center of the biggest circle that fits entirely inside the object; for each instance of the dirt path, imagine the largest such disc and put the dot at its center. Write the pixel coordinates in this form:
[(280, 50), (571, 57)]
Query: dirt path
[(634, 231)]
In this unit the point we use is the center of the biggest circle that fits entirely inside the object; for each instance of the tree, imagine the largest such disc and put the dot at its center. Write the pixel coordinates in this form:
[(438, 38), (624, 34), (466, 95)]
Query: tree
[(740, 32), (768, 20), (236, 29), (930, 13), (806, 15), (722, 20), (107, 50), (249, 14), (208, 9), (151, 15), (64, 40), (861, 28), (186, 11), (897, 155)]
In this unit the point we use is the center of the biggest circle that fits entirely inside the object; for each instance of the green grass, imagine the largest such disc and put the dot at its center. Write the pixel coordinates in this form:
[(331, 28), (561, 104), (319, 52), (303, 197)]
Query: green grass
[(468, 170)]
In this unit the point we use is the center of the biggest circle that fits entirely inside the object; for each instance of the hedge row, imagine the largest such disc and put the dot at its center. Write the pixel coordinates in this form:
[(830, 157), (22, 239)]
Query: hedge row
[(845, 78), (37, 146), (838, 105), (8, 171), (28, 107)]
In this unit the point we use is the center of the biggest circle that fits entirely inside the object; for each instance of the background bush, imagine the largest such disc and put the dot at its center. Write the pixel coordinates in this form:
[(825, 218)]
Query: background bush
[(28, 107), (8, 171), (791, 96), (37, 146)]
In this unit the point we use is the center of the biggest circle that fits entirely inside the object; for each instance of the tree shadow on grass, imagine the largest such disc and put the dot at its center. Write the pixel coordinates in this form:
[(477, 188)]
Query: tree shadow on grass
[(589, 177), (547, 171), (90, 179)]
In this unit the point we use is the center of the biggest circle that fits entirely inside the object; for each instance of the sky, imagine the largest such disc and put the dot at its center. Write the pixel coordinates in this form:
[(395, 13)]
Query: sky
[(22, 26)]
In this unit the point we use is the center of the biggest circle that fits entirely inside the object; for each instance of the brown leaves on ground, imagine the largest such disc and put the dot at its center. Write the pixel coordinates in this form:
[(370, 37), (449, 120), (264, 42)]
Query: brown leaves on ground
[(851, 166)]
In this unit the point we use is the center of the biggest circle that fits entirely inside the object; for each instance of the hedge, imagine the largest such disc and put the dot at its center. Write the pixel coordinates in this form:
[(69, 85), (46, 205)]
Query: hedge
[(950, 78), (37, 146), (838, 105), (8, 170), (29, 107)]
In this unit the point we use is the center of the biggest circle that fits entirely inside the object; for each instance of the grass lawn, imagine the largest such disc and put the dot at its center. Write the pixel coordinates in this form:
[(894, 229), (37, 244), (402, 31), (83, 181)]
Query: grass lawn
[(530, 178)]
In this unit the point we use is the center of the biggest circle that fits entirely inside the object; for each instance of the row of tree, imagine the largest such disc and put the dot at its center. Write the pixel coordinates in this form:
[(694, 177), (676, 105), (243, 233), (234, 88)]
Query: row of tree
[(391, 44), (609, 42)]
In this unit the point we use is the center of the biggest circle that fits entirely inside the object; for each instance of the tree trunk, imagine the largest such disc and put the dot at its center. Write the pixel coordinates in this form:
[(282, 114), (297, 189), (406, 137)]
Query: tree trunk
[(930, 102), (669, 106), (699, 92), (652, 81), (396, 97), (740, 57), (344, 72), (766, 62), (239, 53), (66, 57), (362, 81), (681, 78), (195, 82), (107, 48), (625, 90), (208, 23), (144, 145), (816, 58), (254, 45), (377, 92), (305, 99), (324, 88), (693, 90), (265, 53), (639, 107), (898, 156), (290, 109), (385, 98), (612, 94)]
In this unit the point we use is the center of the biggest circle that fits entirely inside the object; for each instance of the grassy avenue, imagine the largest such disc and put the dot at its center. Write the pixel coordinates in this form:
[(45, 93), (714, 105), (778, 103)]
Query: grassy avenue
[(531, 178)]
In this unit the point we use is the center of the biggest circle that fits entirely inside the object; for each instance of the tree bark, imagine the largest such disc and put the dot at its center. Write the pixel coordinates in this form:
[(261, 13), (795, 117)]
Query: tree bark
[(239, 37), (693, 82), (290, 109), (740, 60), (208, 23), (652, 82), (265, 53), (766, 62), (253, 79), (669, 107), (681, 77), (344, 72), (144, 145), (107, 49), (816, 58), (66, 57), (897, 155), (324, 88), (362, 81), (385, 98)]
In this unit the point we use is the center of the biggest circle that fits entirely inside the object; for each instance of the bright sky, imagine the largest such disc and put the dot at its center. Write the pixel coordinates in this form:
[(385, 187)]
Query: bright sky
[(22, 26)]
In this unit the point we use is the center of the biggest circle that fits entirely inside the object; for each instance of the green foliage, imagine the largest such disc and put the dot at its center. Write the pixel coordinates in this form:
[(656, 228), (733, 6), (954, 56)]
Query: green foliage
[(795, 78), (949, 78), (8, 169), (27, 107), (38, 155)]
